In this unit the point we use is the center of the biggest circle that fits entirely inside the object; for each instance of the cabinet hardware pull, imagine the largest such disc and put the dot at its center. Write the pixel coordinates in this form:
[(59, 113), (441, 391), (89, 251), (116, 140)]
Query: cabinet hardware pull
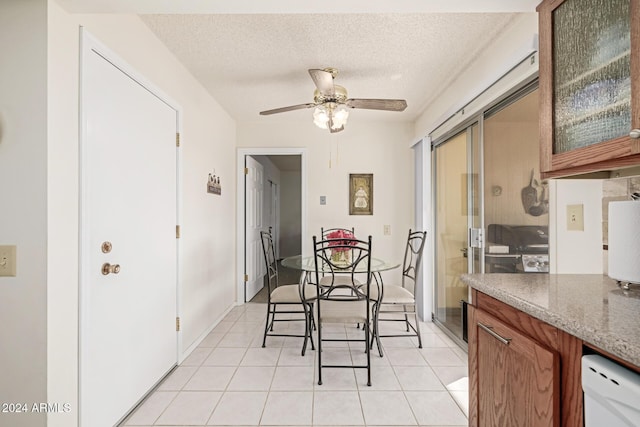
[(489, 330), (635, 133)]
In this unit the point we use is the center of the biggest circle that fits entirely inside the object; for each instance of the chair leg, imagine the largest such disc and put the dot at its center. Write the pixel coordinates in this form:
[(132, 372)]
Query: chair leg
[(368, 351), (312, 325), (406, 318), (375, 330), (273, 316), (319, 348), (308, 315), (266, 326), (415, 313)]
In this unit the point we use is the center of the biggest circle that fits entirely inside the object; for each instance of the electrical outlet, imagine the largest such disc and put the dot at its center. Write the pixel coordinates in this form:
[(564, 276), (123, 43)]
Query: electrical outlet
[(8, 261), (575, 217), (387, 230)]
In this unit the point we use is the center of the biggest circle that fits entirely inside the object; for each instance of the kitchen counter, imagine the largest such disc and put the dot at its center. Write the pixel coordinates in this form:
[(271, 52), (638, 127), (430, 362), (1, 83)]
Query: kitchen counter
[(589, 306)]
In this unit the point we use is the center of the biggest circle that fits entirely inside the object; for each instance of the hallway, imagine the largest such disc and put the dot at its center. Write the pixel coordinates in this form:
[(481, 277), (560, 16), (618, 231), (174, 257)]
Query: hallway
[(231, 380)]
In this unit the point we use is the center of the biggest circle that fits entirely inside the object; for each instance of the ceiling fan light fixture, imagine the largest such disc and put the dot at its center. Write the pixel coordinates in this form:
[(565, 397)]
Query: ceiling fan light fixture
[(331, 103), (330, 115), (340, 116), (320, 117)]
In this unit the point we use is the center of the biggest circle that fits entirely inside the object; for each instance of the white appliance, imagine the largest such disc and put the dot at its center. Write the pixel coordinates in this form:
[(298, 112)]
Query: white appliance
[(624, 245), (611, 393)]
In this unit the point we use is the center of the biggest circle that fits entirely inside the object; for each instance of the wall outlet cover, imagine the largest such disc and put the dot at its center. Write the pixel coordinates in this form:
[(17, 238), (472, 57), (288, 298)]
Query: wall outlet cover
[(575, 217), (8, 261)]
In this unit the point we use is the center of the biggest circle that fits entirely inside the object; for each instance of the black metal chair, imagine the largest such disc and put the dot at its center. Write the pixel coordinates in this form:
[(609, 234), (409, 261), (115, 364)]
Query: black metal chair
[(345, 300), (398, 301), (285, 295)]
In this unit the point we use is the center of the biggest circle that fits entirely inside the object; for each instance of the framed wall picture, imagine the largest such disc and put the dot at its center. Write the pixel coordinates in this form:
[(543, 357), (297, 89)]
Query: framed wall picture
[(361, 194)]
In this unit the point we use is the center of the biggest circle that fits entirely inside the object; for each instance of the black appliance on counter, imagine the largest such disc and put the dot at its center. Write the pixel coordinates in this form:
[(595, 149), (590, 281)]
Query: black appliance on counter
[(517, 249)]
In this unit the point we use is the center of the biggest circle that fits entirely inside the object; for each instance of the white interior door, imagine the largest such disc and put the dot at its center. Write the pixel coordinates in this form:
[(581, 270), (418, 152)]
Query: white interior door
[(254, 223), (128, 198)]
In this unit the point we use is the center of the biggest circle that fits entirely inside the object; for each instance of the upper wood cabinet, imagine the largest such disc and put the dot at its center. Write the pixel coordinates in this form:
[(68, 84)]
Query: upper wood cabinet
[(589, 85)]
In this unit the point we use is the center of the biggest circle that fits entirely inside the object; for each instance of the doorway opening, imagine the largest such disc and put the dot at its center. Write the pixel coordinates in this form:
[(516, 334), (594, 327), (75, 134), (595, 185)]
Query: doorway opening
[(271, 197)]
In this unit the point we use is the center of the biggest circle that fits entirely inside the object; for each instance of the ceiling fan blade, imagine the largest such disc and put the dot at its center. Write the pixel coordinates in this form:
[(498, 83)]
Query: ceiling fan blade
[(285, 109), (323, 81), (378, 104)]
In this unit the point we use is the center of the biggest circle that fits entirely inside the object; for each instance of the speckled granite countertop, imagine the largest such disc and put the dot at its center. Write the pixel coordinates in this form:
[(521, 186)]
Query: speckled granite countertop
[(589, 306)]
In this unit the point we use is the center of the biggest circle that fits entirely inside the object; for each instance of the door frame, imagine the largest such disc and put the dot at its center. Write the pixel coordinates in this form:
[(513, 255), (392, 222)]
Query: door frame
[(89, 42), (240, 197)]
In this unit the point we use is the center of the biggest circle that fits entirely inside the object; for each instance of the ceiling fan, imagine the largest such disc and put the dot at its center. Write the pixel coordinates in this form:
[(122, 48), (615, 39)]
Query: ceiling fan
[(332, 104)]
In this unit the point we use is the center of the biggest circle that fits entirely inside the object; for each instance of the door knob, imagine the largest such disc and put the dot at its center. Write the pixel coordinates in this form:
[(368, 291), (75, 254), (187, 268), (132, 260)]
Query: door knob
[(110, 269), (635, 133)]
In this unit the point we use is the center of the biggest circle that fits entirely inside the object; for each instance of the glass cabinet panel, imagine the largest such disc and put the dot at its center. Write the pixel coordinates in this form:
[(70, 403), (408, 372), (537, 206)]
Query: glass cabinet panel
[(591, 72)]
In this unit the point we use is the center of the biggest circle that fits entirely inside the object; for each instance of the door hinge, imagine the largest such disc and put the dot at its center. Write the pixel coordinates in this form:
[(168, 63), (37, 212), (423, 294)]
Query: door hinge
[(177, 139), (246, 277), (177, 324), (246, 171), (177, 231)]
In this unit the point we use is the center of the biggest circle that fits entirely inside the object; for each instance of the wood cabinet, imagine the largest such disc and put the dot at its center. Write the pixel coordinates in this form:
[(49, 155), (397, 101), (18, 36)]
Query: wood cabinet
[(522, 371), (589, 85)]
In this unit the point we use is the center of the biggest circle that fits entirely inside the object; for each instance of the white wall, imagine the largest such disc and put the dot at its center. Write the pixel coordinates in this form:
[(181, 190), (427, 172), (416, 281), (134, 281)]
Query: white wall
[(379, 148), (207, 258), (23, 217), (509, 48), (572, 251)]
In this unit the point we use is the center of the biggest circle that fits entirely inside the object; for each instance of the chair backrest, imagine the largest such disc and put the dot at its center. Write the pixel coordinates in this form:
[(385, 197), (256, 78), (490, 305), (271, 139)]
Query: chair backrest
[(270, 261), (324, 233), (358, 261), (413, 259)]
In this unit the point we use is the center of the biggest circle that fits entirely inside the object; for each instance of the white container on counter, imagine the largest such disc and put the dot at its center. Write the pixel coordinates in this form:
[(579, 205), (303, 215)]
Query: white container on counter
[(624, 241)]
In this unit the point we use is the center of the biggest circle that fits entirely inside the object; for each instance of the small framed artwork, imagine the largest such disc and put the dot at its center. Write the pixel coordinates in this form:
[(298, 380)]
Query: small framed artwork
[(213, 185), (361, 194)]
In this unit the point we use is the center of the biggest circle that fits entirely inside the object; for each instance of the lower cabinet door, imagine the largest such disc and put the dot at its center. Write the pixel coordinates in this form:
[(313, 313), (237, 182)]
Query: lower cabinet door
[(517, 379)]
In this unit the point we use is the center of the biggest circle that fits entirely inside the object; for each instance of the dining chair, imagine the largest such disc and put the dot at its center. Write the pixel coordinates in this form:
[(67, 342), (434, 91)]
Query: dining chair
[(288, 296), (397, 301), (345, 300)]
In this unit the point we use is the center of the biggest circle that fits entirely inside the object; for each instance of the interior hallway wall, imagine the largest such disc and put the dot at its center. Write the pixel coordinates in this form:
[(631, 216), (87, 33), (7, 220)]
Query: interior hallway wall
[(23, 217), (291, 213), (207, 242)]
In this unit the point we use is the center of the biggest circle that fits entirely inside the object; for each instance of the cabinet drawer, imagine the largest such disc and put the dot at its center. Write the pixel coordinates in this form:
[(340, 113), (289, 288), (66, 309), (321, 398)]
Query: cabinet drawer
[(518, 379)]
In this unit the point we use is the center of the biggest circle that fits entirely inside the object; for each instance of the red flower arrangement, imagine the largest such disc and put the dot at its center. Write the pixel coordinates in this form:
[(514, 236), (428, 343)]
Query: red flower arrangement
[(341, 234)]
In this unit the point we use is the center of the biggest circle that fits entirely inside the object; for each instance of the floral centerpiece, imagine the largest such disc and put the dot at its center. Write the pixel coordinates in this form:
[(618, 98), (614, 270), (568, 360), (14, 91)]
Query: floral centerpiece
[(341, 253)]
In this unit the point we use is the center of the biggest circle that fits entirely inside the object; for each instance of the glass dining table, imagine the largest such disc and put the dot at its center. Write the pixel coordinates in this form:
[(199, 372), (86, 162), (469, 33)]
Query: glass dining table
[(306, 264)]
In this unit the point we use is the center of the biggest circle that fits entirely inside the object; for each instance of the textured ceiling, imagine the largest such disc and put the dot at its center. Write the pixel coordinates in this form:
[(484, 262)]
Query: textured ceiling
[(251, 63), (252, 56)]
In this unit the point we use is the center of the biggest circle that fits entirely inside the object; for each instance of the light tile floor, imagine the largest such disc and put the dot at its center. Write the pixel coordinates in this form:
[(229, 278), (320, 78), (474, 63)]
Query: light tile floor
[(230, 380)]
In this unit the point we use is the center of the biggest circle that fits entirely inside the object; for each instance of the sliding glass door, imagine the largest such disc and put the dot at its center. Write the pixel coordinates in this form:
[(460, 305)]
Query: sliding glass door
[(490, 203), (457, 214)]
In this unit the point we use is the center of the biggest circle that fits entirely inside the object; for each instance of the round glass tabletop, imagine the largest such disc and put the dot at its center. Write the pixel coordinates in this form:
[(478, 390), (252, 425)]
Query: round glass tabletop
[(307, 263)]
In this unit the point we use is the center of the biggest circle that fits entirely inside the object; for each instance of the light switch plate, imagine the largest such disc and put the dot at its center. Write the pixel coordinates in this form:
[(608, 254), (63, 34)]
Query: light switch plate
[(387, 230), (8, 261), (323, 200), (575, 217)]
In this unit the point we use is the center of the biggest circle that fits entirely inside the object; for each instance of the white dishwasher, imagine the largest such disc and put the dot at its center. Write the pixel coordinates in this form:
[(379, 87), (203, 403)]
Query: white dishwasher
[(611, 393)]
